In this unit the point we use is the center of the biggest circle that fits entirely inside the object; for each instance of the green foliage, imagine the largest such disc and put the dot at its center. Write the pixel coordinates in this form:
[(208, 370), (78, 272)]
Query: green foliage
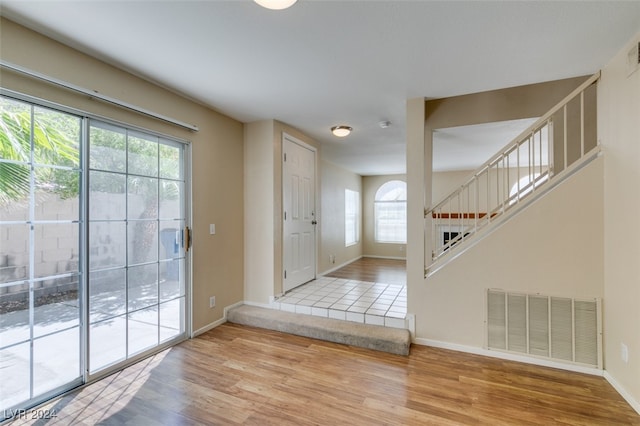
[(55, 143), (55, 156), (14, 182)]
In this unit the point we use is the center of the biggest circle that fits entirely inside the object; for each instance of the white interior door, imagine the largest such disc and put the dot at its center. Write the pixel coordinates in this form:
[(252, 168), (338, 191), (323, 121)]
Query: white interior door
[(298, 198)]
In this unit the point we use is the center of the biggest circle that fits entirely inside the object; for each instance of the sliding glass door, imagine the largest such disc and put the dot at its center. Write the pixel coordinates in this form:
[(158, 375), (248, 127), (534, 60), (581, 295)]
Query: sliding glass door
[(40, 257), (136, 251), (93, 267)]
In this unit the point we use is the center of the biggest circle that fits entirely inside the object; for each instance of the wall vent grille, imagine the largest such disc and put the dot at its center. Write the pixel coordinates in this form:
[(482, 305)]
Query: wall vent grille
[(558, 328)]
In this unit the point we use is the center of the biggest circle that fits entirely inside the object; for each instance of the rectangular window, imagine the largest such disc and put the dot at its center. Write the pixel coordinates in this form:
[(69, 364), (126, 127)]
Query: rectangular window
[(351, 217), (391, 222)]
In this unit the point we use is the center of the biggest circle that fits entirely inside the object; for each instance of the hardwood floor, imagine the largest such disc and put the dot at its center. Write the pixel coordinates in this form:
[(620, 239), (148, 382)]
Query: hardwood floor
[(389, 271), (240, 375)]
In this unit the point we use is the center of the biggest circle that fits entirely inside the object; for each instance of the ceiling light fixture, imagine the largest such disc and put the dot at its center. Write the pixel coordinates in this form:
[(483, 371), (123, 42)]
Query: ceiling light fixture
[(341, 131), (276, 4)]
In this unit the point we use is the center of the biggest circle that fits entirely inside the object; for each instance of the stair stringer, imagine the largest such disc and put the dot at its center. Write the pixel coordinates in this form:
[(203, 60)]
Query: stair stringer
[(512, 212), (552, 245)]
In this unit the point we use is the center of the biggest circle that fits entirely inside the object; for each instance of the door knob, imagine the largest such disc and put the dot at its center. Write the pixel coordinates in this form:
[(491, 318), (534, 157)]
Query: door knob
[(314, 222)]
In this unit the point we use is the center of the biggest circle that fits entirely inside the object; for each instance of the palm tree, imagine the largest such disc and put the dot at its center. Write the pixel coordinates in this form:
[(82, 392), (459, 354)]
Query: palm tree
[(55, 137), (55, 142)]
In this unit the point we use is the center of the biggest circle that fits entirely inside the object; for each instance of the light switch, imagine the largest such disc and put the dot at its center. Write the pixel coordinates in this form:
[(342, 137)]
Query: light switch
[(212, 228), (624, 353)]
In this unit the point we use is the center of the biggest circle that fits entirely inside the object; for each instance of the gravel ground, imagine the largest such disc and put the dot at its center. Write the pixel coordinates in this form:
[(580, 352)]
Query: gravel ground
[(12, 306)]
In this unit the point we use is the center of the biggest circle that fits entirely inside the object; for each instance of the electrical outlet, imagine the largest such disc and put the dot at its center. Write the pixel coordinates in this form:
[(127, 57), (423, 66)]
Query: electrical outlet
[(624, 353), (212, 302), (212, 228)]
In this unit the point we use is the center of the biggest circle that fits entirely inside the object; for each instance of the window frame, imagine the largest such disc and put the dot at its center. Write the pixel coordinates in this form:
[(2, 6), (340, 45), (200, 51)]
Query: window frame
[(352, 219), (83, 168), (378, 202)]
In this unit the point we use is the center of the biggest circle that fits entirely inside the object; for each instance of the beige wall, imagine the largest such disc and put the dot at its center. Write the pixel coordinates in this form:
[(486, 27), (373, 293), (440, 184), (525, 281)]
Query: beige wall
[(259, 211), (455, 289), (554, 247), (217, 152), (419, 166), (597, 255), (263, 206), (514, 103), (619, 133), (334, 181), (423, 117), (444, 183), (371, 184)]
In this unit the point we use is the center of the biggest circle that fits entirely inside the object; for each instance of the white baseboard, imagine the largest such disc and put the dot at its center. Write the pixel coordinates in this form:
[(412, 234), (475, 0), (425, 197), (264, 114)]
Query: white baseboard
[(208, 327), (273, 299), (235, 305), (335, 268), (411, 325), (509, 356), (622, 391), (384, 257), (216, 323)]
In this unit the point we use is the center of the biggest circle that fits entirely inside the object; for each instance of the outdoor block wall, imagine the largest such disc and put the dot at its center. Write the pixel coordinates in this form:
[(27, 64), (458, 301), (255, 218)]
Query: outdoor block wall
[(56, 245)]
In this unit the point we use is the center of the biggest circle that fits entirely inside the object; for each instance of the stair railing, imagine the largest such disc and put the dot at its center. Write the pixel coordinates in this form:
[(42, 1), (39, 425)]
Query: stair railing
[(558, 141)]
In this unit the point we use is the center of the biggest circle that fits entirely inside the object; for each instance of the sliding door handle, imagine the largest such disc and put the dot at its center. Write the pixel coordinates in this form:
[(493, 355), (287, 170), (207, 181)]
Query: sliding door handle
[(187, 239)]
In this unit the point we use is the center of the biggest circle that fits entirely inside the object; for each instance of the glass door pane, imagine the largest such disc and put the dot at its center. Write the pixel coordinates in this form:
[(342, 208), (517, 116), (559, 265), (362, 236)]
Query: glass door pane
[(40, 257), (133, 294), (137, 262)]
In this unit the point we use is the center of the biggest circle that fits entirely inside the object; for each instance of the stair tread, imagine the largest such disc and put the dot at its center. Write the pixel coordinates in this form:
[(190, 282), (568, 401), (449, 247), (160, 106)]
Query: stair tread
[(385, 339)]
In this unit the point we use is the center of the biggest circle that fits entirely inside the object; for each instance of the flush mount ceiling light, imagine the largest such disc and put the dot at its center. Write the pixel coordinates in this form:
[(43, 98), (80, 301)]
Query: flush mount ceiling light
[(341, 131), (276, 4)]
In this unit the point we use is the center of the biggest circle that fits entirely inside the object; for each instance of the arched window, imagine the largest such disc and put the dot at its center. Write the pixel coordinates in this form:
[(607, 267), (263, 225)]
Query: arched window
[(525, 185), (390, 213)]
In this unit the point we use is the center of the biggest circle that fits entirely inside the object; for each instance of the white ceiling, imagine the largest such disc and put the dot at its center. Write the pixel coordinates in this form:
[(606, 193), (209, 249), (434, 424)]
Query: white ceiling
[(468, 147), (322, 63)]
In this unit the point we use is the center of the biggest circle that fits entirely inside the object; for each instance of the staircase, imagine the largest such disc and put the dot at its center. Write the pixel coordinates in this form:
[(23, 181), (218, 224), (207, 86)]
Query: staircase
[(556, 146)]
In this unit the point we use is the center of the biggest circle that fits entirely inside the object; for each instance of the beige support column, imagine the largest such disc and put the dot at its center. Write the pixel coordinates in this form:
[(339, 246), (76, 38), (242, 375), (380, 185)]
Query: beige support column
[(418, 168)]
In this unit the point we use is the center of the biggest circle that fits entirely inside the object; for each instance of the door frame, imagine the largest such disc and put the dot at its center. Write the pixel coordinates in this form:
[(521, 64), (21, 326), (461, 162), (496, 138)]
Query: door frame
[(90, 377), (287, 137), (85, 116)]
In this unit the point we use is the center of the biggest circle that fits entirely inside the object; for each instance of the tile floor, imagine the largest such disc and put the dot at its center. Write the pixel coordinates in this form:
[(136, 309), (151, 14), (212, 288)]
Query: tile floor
[(350, 300)]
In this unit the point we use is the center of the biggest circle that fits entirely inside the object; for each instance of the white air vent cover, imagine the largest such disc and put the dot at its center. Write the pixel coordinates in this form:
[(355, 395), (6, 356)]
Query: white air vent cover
[(543, 326)]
